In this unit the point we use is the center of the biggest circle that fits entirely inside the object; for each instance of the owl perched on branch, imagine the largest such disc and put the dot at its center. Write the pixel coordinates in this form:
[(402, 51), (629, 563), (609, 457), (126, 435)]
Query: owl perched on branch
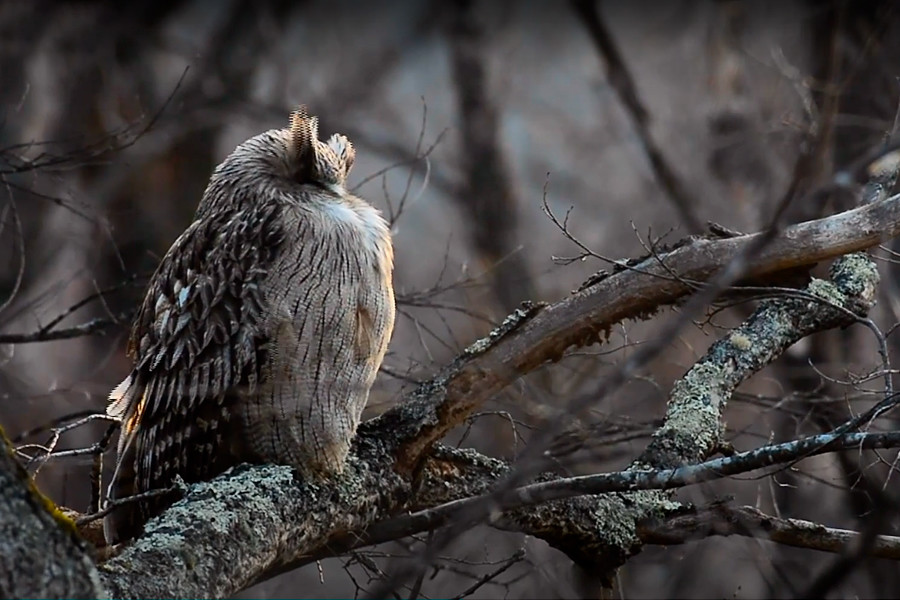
[(263, 328)]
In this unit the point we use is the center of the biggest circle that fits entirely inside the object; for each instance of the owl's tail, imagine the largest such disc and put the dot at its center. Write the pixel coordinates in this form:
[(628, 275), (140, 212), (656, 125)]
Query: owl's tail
[(123, 522)]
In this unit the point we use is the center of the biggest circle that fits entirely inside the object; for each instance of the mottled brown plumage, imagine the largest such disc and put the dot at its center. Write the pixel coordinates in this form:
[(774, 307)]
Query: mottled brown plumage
[(263, 328)]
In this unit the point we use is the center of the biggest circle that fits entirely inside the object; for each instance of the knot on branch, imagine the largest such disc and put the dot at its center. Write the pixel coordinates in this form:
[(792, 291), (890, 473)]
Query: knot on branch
[(856, 276)]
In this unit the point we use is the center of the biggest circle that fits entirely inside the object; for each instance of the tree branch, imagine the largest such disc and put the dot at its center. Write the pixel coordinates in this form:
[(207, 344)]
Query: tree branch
[(533, 337), (258, 521), (692, 426), (690, 432), (76, 331), (750, 522), (237, 514)]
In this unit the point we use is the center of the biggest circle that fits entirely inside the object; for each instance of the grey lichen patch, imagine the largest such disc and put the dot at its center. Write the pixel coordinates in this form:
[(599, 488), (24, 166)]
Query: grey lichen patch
[(740, 341), (617, 518), (471, 460), (219, 504), (700, 385), (655, 503), (217, 510), (512, 322), (253, 517), (599, 533), (163, 537), (855, 279), (671, 447), (826, 290), (695, 403), (857, 275)]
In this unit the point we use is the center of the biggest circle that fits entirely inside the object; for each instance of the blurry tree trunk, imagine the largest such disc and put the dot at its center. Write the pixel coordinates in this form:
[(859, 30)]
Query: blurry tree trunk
[(487, 193)]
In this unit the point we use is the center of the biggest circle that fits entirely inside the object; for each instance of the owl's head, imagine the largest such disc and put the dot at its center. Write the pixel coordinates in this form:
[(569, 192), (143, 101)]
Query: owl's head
[(277, 160), (326, 163)]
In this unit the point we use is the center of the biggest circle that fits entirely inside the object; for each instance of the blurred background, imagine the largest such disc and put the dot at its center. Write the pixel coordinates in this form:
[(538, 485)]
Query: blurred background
[(641, 121)]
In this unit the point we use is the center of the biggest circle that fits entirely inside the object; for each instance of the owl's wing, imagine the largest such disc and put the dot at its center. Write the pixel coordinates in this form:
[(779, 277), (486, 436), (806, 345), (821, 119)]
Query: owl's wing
[(198, 341)]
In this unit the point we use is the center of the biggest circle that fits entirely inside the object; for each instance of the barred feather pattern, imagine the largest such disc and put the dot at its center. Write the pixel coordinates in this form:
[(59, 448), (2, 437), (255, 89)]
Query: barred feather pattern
[(263, 328)]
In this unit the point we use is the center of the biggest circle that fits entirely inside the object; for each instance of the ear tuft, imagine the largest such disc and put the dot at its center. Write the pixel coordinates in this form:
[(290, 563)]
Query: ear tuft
[(315, 161), (344, 152), (304, 135)]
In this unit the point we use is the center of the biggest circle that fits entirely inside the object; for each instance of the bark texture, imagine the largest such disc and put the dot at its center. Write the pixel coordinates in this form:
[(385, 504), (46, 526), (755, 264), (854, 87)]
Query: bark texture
[(41, 554)]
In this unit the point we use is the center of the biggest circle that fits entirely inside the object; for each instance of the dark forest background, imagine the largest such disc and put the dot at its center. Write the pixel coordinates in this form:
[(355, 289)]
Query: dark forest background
[(644, 120)]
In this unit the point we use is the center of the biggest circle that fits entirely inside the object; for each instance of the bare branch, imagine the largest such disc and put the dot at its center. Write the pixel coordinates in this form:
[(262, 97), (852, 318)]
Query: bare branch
[(87, 328), (748, 521), (541, 335)]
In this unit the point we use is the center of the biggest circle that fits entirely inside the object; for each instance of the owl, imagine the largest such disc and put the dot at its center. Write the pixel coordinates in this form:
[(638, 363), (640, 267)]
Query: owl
[(262, 329)]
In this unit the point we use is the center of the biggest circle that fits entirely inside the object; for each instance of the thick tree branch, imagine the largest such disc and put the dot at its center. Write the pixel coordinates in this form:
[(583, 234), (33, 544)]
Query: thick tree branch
[(538, 336), (691, 429), (747, 521), (257, 521), (692, 426), (664, 479), (237, 515)]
